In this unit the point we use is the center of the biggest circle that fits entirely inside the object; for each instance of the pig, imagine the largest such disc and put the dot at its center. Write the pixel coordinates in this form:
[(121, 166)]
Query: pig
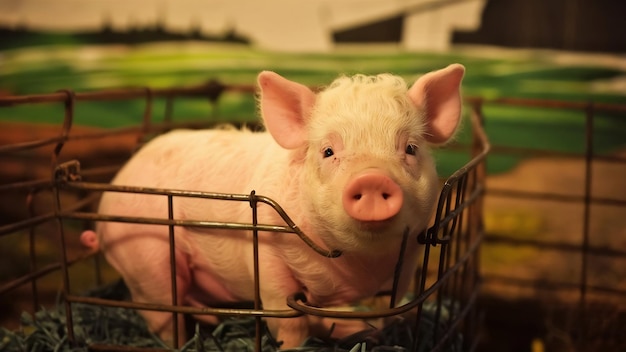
[(351, 166)]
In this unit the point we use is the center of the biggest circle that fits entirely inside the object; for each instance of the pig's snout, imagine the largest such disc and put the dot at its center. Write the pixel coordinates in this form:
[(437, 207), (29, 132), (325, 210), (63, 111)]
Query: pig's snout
[(372, 196)]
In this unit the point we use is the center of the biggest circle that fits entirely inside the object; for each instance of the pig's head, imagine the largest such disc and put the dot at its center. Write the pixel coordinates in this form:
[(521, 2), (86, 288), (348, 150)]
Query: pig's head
[(363, 147)]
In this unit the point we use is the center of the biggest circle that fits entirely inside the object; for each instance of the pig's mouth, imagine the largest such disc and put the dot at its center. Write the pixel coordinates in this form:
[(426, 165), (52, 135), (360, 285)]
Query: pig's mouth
[(376, 225)]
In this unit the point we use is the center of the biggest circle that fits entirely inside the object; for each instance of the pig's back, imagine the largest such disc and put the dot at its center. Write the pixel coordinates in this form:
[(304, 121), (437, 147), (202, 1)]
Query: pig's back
[(223, 161), (191, 159)]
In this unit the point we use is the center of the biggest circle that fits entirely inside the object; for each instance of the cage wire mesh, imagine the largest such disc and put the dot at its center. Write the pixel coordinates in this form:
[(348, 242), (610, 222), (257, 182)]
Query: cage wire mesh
[(553, 255), (55, 290)]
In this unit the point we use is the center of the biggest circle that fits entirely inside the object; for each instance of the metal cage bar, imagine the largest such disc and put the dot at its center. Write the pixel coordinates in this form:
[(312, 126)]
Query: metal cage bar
[(588, 111)]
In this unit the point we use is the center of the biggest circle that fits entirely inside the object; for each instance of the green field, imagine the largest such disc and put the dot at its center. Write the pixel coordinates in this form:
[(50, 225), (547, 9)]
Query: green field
[(47, 69)]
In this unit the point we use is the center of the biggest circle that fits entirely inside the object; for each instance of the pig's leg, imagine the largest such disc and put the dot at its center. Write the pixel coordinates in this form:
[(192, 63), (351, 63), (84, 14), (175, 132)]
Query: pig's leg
[(277, 283), (290, 331), (144, 263), (341, 328)]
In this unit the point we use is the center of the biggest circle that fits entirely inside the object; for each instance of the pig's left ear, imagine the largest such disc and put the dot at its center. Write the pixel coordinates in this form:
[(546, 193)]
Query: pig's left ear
[(285, 106), (438, 93)]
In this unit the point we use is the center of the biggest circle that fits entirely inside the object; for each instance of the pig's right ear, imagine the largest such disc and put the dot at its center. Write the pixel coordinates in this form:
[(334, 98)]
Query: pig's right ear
[(285, 106), (439, 94)]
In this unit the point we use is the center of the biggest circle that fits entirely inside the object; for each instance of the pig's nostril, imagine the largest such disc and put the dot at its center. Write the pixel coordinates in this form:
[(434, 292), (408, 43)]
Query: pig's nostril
[(358, 196)]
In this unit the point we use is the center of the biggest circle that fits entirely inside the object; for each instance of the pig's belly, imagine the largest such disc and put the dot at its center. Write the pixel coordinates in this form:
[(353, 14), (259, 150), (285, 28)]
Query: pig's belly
[(209, 289)]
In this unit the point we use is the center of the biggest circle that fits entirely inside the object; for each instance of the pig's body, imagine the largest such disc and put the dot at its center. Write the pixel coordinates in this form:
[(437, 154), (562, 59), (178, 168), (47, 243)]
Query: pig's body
[(323, 170), (212, 259)]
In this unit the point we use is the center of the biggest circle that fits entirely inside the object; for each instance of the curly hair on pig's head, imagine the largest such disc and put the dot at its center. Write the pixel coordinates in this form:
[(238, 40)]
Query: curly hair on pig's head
[(384, 84), (360, 100)]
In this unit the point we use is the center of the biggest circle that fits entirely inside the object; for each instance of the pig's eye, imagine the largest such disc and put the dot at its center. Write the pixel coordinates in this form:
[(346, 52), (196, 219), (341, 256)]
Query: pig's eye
[(411, 149), (328, 152)]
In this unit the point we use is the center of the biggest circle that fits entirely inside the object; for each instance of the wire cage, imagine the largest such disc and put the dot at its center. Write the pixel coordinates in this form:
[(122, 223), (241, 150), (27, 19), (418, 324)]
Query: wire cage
[(553, 256), (46, 207)]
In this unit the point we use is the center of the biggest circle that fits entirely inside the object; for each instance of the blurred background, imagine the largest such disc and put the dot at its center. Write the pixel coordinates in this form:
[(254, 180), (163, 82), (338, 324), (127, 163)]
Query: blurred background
[(549, 77)]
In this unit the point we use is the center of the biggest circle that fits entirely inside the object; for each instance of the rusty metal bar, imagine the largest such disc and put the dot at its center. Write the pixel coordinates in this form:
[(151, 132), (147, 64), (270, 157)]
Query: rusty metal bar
[(586, 227), (509, 193), (457, 287), (32, 248), (177, 222), (19, 185), (444, 254), (173, 277), (294, 301), (147, 117), (40, 219), (431, 233), (550, 285), (169, 110), (605, 251), (527, 152), (64, 268), (291, 226), (257, 278), (285, 313), (420, 289), (68, 120), (126, 94), (16, 226), (438, 346), (42, 271), (155, 127), (115, 348), (29, 145), (67, 125), (398, 269), (547, 103)]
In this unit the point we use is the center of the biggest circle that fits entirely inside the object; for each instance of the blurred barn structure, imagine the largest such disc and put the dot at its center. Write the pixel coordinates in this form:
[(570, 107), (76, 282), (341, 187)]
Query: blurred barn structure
[(283, 25), (317, 25)]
